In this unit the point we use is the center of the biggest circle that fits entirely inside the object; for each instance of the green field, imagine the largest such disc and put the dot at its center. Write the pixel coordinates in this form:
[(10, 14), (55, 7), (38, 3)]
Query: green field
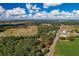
[(67, 48)]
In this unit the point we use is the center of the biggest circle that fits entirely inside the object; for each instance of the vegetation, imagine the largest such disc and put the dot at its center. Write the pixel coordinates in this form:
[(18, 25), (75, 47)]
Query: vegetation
[(19, 46), (68, 47), (36, 45)]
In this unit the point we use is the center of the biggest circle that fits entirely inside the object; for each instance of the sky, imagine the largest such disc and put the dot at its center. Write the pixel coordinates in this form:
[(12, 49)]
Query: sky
[(39, 11)]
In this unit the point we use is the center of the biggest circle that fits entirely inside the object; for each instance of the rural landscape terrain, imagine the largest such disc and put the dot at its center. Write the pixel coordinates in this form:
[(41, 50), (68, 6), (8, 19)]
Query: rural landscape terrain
[(39, 29), (39, 38)]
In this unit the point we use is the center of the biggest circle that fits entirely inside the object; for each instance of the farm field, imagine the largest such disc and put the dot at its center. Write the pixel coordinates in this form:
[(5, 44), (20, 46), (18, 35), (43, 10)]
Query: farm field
[(28, 31), (67, 48)]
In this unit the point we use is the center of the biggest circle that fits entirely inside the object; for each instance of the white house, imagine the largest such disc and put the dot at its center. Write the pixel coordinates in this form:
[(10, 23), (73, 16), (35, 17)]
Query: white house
[(63, 33)]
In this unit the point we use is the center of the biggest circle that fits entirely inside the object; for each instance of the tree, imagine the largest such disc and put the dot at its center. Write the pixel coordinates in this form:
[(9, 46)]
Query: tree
[(71, 38)]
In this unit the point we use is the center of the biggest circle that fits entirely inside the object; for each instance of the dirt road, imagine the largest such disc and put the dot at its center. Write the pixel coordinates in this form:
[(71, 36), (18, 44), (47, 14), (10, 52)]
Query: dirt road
[(51, 50)]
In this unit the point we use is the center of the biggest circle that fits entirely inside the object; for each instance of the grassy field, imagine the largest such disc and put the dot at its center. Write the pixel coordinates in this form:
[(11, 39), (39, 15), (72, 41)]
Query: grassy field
[(67, 48), (28, 31)]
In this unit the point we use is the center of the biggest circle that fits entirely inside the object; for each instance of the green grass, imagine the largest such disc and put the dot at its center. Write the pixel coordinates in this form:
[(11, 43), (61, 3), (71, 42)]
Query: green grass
[(67, 48)]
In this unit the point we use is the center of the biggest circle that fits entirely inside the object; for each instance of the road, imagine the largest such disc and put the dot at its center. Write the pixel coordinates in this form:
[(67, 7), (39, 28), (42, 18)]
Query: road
[(51, 50)]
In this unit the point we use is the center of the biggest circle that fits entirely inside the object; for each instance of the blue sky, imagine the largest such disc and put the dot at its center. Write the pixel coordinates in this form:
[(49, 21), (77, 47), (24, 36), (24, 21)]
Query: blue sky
[(65, 6), (39, 10)]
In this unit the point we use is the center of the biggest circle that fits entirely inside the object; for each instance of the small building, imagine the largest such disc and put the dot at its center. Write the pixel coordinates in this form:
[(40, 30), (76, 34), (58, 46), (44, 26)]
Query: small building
[(64, 33)]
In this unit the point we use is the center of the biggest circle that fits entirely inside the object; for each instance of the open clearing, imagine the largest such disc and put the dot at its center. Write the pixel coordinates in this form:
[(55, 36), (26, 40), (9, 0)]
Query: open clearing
[(28, 31), (67, 48)]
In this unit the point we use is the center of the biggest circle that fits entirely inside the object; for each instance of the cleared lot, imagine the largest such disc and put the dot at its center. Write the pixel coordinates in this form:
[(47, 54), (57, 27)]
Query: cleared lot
[(28, 31)]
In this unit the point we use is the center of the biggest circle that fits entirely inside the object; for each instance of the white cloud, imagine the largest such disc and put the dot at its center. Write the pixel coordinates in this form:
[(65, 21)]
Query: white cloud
[(2, 10), (37, 9), (60, 14), (46, 5), (76, 12), (21, 13), (28, 6), (32, 8), (31, 11), (40, 14), (15, 12), (68, 14), (55, 12), (12, 13), (30, 15)]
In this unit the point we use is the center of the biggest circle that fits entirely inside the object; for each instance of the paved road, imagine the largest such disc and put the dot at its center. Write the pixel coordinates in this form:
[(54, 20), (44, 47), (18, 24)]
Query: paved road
[(54, 43)]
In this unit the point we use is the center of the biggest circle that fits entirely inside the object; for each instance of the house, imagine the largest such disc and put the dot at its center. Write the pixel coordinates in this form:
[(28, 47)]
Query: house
[(64, 33)]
